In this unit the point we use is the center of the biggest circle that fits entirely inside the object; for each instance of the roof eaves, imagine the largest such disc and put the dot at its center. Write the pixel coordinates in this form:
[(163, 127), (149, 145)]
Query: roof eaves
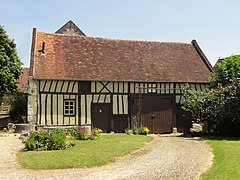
[(106, 80), (202, 55)]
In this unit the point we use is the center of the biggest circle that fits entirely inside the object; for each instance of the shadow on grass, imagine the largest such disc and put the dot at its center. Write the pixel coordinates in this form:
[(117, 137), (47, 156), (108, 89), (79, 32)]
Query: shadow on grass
[(207, 136), (219, 138)]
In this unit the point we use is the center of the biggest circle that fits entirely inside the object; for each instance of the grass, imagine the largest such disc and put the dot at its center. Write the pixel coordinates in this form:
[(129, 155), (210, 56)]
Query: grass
[(84, 154), (226, 164)]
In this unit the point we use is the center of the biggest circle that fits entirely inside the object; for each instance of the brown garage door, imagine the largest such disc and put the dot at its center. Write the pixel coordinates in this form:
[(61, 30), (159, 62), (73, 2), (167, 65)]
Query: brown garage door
[(157, 113), (101, 116)]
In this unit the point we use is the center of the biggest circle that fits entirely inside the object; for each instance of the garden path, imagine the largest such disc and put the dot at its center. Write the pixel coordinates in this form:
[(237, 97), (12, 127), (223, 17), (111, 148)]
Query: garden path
[(163, 158)]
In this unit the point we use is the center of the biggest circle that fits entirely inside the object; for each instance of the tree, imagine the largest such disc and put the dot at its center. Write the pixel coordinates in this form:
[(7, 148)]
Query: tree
[(229, 121), (202, 106), (226, 71), (220, 104), (18, 107), (10, 64)]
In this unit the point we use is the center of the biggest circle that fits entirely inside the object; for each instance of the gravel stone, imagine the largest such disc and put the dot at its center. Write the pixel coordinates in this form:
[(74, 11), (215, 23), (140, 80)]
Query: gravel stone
[(163, 158)]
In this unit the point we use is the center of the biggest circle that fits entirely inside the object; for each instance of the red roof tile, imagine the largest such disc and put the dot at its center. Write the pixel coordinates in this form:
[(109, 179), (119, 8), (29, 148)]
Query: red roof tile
[(90, 58), (22, 82)]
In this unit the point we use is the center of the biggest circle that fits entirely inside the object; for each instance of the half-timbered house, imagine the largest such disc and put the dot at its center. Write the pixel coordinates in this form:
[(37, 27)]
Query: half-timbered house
[(109, 83)]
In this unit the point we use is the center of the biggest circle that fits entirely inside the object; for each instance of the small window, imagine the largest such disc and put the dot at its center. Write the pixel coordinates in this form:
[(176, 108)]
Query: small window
[(69, 107), (152, 88)]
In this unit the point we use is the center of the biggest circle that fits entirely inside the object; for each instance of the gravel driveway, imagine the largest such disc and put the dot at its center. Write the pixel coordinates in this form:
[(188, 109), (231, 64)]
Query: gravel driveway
[(163, 158)]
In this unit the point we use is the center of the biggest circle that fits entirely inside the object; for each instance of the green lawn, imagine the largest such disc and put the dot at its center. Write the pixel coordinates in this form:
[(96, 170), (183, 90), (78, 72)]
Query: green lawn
[(85, 153), (226, 163)]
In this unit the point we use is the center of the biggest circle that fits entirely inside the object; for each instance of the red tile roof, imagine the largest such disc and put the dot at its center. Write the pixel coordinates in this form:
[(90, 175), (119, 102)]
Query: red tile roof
[(58, 56), (22, 82)]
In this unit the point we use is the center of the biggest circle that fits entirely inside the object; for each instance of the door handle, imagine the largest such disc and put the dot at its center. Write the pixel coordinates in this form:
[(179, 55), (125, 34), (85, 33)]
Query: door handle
[(152, 116)]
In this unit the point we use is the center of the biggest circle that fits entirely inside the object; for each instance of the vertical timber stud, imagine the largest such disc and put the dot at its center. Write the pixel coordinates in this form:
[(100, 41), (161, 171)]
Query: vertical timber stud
[(111, 113), (55, 89), (46, 97), (85, 108), (174, 106), (40, 105), (68, 98), (79, 105), (76, 109), (118, 98), (63, 110), (129, 106), (51, 109), (57, 109), (51, 103)]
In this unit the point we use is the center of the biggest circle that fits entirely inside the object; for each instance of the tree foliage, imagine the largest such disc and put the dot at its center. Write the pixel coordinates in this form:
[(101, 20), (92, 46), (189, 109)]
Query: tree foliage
[(200, 106), (226, 71), (18, 108), (10, 64), (219, 104)]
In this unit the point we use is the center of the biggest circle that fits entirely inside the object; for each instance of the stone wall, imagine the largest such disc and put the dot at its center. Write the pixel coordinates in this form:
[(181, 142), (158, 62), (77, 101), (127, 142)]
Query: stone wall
[(32, 103)]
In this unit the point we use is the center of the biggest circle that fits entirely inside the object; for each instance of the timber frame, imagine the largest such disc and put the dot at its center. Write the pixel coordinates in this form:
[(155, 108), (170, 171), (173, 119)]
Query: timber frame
[(119, 95)]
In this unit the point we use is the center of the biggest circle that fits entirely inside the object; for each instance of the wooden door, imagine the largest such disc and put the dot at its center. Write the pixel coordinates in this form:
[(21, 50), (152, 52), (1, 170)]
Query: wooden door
[(101, 116), (120, 123), (157, 113)]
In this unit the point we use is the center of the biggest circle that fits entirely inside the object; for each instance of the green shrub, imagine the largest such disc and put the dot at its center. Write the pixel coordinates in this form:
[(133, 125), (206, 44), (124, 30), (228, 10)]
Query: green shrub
[(56, 139), (30, 144), (72, 131), (4, 130), (139, 130), (70, 140), (42, 139), (11, 131), (82, 135)]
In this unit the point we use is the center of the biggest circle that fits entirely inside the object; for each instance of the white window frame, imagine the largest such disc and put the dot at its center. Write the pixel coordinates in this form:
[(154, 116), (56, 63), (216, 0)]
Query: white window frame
[(69, 107)]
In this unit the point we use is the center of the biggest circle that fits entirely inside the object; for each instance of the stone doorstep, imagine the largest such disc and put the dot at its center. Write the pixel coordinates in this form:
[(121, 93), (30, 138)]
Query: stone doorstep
[(171, 135)]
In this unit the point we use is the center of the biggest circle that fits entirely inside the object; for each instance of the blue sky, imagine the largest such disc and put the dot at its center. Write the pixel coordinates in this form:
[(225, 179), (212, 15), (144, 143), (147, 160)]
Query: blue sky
[(215, 24)]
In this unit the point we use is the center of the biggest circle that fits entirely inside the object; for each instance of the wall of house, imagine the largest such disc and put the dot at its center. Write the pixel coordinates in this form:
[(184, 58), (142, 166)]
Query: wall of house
[(51, 102), (52, 94)]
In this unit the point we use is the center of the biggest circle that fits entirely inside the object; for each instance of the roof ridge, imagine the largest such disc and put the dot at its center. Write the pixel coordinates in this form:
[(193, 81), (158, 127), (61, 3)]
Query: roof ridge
[(115, 39)]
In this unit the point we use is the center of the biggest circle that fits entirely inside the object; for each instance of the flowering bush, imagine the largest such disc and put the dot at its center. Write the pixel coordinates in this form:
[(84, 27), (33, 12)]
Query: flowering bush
[(49, 140), (96, 133), (138, 130), (145, 131)]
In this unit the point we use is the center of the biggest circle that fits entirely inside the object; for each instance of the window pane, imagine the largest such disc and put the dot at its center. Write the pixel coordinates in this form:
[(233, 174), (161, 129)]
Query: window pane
[(69, 106)]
